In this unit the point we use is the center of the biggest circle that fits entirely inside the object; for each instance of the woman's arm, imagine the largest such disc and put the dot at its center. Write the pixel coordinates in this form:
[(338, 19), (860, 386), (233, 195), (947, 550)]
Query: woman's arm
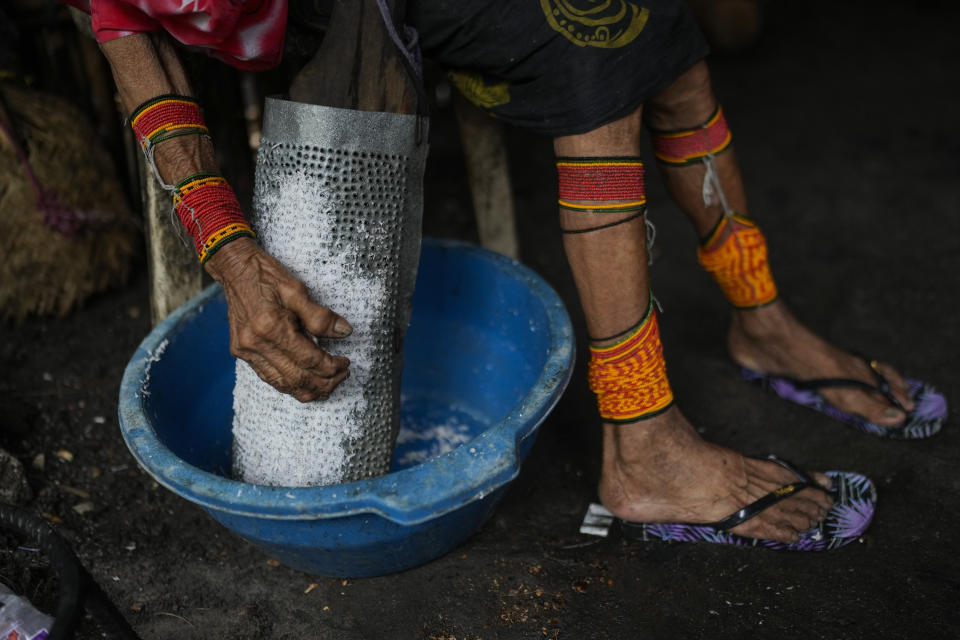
[(268, 308)]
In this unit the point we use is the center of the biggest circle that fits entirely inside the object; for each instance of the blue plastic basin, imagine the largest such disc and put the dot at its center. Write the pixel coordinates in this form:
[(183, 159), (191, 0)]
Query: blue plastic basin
[(489, 351)]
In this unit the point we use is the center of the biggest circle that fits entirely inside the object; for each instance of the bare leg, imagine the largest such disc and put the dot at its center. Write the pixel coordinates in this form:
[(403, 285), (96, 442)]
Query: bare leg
[(770, 338), (659, 469)]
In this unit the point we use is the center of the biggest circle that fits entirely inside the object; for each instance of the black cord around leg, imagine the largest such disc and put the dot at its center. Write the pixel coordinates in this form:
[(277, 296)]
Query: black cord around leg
[(638, 214)]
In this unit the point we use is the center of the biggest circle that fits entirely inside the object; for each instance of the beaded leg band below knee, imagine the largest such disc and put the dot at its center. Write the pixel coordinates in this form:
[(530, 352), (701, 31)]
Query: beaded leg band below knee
[(735, 254), (600, 186), (699, 145), (691, 146), (629, 377)]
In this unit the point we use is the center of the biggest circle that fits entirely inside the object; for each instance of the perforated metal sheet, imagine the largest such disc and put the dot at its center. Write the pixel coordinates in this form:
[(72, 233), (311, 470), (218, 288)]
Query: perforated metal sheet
[(338, 200)]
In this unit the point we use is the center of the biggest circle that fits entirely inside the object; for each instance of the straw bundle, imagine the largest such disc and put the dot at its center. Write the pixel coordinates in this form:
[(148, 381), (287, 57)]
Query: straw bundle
[(43, 270)]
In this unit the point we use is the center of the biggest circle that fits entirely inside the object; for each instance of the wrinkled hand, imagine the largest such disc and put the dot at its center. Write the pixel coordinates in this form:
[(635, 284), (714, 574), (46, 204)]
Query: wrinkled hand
[(270, 314)]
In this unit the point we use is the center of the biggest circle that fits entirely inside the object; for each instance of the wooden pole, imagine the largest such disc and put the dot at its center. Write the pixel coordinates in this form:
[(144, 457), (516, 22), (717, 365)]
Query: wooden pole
[(175, 275), (358, 66), (489, 174)]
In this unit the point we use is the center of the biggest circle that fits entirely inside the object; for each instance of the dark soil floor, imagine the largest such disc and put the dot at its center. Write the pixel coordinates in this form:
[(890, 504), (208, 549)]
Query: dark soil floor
[(846, 122)]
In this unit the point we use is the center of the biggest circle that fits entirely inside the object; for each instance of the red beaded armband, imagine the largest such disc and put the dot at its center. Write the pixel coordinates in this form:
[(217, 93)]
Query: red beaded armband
[(630, 377), (691, 145), (735, 254), (601, 185), (166, 117), (209, 211)]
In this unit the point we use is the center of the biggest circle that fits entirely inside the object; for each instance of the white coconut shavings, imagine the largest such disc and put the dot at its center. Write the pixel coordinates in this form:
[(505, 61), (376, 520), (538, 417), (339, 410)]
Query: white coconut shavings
[(431, 442), (277, 439), (155, 356)]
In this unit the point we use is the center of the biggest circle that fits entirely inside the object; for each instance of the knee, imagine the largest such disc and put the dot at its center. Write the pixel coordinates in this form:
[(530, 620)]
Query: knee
[(618, 138), (686, 103)]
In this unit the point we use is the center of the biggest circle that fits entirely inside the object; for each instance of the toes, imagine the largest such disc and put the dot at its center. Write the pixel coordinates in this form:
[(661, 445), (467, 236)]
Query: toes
[(877, 408), (786, 534), (764, 473), (892, 416), (768, 528), (883, 413), (823, 500), (808, 508), (899, 386), (766, 477), (787, 519), (798, 520), (871, 405), (822, 479)]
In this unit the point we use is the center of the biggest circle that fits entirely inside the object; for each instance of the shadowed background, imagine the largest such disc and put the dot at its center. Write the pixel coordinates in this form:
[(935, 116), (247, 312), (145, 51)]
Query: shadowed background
[(844, 117)]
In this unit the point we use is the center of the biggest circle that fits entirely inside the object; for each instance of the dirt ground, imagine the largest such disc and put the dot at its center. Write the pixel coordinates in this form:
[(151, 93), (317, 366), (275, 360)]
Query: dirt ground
[(845, 120)]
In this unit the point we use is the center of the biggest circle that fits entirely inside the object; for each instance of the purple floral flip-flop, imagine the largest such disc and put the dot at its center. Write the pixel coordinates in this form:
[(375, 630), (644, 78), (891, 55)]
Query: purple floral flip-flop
[(926, 418), (854, 501)]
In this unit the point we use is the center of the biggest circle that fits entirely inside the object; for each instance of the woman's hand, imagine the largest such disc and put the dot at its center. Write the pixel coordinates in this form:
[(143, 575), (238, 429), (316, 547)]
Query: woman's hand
[(271, 315)]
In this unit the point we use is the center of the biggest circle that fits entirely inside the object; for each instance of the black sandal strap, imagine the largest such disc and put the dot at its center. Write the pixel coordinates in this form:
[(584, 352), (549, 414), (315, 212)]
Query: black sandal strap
[(820, 383), (802, 475), (805, 481), (757, 507), (795, 470), (882, 385)]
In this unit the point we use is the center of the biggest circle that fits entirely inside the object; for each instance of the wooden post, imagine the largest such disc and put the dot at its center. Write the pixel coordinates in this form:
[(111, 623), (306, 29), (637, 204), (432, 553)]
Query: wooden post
[(357, 65), (175, 274), (489, 174)]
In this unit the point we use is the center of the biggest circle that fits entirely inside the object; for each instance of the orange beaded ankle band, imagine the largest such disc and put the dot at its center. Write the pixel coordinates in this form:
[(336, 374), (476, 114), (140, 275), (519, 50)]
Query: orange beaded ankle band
[(735, 254), (630, 376)]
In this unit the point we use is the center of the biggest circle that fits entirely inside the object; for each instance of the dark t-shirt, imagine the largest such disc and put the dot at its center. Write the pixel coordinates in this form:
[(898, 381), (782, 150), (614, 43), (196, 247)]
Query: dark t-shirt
[(559, 67)]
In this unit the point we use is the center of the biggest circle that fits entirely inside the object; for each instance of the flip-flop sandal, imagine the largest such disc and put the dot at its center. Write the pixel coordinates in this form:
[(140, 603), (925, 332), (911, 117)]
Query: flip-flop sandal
[(928, 415), (854, 501)]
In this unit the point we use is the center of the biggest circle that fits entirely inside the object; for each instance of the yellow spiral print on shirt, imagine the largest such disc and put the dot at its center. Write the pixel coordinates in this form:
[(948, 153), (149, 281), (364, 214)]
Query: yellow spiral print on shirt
[(606, 24)]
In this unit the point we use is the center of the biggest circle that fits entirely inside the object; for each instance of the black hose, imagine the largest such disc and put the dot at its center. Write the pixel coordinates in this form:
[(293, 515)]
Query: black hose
[(104, 611), (77, 586), (62, 560)]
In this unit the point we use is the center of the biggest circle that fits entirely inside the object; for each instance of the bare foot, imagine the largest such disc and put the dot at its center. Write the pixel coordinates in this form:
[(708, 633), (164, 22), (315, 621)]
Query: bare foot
[(660, 470), (771, 340)]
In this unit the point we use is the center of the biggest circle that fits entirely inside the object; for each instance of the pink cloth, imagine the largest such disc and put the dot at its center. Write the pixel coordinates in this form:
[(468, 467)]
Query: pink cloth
[(247, 34)]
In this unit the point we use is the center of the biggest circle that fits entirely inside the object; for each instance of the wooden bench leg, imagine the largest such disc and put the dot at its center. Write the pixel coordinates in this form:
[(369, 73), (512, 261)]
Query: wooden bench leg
[(489, 174)]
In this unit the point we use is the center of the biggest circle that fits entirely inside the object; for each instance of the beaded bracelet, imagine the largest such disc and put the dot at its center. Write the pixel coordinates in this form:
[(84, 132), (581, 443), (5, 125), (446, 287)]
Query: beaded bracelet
[(208, 209), (166, 117), (205, 204)]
